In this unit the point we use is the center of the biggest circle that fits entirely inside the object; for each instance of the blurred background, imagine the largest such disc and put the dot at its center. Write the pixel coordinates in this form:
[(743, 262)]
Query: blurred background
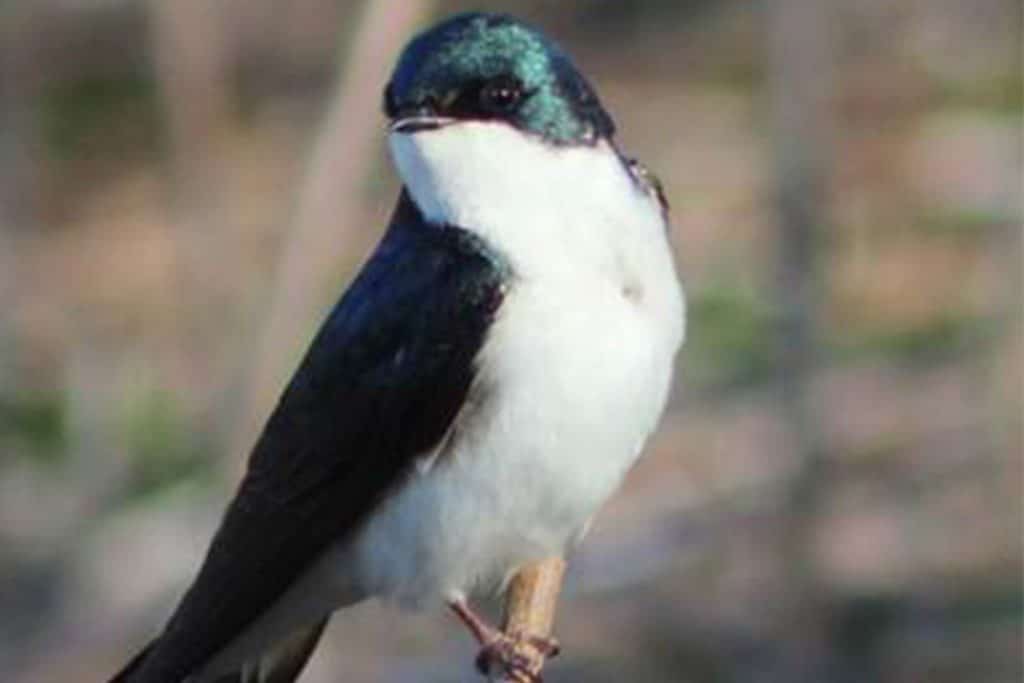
[(835, 493)]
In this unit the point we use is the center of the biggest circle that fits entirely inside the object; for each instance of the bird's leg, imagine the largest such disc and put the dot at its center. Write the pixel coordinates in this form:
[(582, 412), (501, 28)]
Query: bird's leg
[(521, 653), (481, 630)]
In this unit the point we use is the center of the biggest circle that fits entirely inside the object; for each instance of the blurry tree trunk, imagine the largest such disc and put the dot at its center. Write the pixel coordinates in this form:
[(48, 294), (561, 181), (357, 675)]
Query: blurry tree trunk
[(18, 126), (344, 152), (799, 83), (19, 160), (1000, 372), (189, 57), (189, 44)]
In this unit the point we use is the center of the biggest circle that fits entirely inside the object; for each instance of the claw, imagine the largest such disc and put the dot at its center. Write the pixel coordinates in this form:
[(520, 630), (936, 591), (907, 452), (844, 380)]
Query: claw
[(521, 655)]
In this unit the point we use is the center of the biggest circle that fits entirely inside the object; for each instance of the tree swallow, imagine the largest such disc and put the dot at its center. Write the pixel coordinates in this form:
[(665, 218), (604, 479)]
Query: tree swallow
[(478, 392)]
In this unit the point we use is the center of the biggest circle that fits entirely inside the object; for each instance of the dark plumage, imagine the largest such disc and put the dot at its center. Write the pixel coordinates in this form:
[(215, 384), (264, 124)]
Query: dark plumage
[(453, 69), (380, 385), (494, 129)]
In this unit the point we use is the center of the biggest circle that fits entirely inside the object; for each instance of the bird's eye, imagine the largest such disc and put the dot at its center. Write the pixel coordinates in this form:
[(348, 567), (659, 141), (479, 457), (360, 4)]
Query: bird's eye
[(501, 94)]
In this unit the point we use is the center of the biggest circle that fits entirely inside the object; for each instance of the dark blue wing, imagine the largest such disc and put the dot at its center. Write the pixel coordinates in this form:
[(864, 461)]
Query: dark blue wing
[(381, 384)]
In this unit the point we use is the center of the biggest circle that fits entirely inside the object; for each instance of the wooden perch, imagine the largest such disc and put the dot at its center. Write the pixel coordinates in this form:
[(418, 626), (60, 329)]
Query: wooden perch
[(530, 606)]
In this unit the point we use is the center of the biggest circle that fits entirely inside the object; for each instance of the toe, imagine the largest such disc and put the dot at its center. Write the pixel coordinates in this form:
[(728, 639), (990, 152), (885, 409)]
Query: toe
[(548, 646)]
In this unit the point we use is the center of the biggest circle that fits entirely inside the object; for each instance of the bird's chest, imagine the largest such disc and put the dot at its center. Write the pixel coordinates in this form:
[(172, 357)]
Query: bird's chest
[(570, 382), (573, 378)]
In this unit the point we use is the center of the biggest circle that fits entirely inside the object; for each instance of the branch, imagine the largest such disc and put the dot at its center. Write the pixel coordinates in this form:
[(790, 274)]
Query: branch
[(530, 609)]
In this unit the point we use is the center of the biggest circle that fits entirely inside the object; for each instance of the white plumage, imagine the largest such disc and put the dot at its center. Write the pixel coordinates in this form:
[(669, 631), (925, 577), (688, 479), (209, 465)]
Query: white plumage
[(571, 380)]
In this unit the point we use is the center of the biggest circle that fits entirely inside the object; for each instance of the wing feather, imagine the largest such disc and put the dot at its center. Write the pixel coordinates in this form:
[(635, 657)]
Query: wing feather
[(380, 386)]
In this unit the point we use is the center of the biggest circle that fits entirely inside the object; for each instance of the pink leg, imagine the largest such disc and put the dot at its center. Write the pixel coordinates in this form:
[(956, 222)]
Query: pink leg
[(505, 649)]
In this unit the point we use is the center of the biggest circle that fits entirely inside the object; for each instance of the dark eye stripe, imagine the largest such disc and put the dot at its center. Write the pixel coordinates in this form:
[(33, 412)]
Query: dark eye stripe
[(493, 98)]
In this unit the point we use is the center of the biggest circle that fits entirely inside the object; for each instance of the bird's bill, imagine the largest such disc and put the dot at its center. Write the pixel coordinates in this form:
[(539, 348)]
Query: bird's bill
[(418, 123)]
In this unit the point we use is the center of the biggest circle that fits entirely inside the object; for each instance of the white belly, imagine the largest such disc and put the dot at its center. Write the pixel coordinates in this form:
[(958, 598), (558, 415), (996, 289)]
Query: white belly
[(572, 381), (572, 377)]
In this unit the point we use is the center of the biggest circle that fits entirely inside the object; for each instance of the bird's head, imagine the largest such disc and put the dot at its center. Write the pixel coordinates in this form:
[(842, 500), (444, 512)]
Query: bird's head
[(480, 67)]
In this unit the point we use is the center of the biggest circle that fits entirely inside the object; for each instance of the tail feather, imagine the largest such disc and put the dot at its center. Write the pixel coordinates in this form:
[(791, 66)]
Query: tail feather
[(281, 664), (125, 674), (284, 662)]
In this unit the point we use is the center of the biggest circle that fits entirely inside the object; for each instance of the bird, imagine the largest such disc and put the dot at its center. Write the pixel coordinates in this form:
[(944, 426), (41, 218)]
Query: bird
[(480, 389)]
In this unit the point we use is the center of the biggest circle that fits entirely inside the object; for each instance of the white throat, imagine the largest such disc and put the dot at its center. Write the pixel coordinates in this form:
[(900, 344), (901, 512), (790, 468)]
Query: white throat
[(474, 170), (545, 207), (571, 378)]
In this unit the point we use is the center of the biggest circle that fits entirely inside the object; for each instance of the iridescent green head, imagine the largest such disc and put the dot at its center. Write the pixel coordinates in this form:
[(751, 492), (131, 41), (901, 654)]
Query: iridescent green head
[(494, 67)]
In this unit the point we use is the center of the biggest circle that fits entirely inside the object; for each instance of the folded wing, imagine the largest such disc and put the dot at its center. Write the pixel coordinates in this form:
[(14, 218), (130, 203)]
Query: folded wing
[(380, 386)]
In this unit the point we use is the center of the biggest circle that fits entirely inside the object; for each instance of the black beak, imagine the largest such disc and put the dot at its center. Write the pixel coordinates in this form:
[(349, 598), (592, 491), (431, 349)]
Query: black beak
[(416, 118)]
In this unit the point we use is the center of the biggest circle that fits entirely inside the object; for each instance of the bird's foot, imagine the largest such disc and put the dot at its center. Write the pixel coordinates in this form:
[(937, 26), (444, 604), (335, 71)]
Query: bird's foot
[(520, 655)]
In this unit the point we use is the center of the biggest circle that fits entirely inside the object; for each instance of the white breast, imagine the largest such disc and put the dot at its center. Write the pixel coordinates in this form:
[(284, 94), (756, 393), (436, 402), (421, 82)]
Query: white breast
[(572, 378), (570, 382)]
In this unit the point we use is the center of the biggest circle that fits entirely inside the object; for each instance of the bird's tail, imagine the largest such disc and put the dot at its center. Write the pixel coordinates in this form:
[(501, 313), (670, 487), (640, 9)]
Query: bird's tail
[(125, 674), (280, 664)]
